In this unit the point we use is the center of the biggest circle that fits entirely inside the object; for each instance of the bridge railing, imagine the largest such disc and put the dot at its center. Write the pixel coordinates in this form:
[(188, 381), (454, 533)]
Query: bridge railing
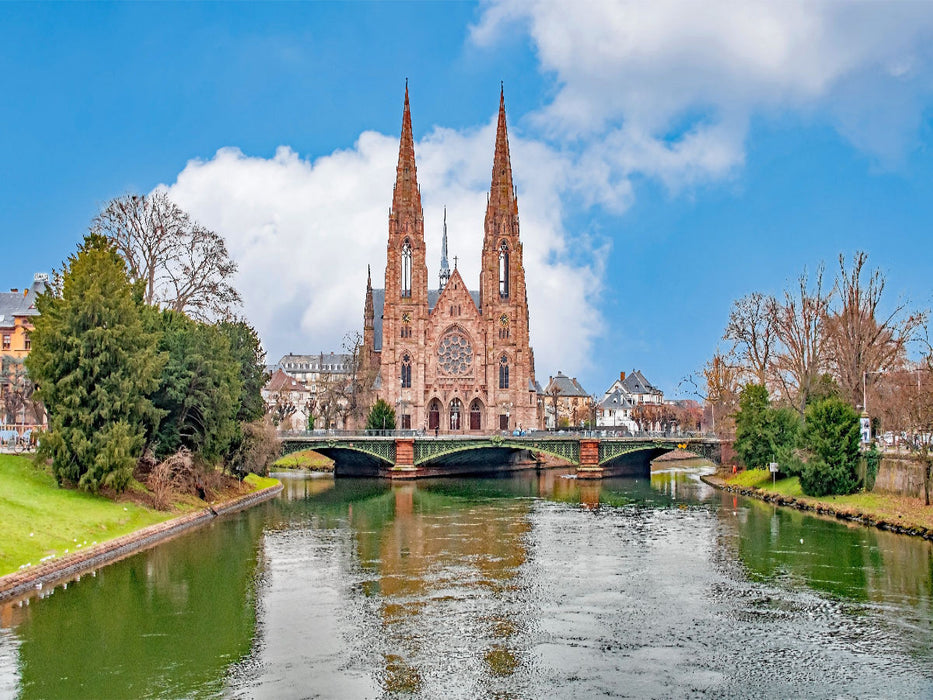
[(535, 434)]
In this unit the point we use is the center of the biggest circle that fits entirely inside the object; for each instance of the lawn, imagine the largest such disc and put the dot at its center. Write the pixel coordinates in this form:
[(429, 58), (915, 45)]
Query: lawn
[(882, 507), (306, 459), (41, 520)]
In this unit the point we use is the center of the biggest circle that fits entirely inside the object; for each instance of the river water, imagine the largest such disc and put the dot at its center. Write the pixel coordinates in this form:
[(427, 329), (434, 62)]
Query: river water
[(527, 586)]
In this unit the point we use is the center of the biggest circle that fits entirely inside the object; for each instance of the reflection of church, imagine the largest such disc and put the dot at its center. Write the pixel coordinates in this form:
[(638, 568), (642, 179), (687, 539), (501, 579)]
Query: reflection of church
[(451, 359)]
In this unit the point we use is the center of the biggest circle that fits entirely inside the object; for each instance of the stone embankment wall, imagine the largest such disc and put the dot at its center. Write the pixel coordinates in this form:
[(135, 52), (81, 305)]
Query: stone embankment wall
[(900, 475), (22, 583)]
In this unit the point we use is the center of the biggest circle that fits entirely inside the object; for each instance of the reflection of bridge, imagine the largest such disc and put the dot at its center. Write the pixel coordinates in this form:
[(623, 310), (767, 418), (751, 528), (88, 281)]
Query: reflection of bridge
[(416, 456)]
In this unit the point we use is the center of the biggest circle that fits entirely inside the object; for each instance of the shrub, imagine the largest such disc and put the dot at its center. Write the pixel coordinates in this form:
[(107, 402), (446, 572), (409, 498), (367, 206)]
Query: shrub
[(381, 416), (831, 438)]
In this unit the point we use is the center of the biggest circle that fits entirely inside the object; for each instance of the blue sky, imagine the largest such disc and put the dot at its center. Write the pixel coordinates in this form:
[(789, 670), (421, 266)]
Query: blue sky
[(669, 157)]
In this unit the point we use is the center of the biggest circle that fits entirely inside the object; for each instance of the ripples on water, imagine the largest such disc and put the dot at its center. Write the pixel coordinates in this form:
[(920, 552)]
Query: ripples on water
[(538, 586)]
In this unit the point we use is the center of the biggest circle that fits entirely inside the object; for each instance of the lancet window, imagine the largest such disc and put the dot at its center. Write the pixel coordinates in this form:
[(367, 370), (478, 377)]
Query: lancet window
[(406, 268), (406, 371), (504, 270), (503, 372)]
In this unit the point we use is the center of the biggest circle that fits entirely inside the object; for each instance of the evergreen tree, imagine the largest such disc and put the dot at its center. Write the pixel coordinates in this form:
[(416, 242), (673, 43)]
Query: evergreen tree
[(754, 439), (95, 365), (199, 388), (831, 436), (246, 350), (381, 416)]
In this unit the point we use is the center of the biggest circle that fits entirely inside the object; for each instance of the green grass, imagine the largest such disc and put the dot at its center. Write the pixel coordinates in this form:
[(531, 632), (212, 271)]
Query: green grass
[(306, 459), (259, 482), (900, 510), (761, 479), (41, 520)]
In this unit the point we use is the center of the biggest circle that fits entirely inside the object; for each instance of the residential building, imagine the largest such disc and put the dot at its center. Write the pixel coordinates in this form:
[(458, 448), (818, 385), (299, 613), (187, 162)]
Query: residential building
[(288, 401), (17, 311), (566, 403), (623, 403)]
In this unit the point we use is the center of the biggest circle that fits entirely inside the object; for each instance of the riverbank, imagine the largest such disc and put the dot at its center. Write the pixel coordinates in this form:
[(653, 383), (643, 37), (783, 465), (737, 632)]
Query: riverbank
[(305, 460), (894, 513), (31, 502)]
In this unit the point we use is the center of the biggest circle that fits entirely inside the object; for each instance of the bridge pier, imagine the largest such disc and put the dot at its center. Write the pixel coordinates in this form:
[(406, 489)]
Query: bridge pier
[(589, 459), (404, 467)]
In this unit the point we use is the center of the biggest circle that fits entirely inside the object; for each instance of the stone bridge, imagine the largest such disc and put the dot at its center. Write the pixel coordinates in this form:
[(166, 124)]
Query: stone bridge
[(414, 456)]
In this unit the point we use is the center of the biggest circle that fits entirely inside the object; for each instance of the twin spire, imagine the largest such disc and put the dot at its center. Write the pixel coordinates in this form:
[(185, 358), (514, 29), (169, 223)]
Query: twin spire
[(502, 197), (406, 198)]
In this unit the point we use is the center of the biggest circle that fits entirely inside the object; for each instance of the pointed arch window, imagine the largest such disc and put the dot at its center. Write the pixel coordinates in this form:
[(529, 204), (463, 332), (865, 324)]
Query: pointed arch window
[(406, 268), (406, 371), (503, 372), (504, 270)]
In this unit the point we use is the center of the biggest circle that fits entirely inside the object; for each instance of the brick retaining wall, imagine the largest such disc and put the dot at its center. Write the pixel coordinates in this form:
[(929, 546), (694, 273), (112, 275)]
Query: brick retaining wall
[(22, 583)]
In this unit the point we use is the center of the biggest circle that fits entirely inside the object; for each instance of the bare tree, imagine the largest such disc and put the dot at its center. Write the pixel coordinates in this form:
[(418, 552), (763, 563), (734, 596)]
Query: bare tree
[(721, 381), (859, 343), (182, 265), (800, 328), (16, 392), (753, 332)]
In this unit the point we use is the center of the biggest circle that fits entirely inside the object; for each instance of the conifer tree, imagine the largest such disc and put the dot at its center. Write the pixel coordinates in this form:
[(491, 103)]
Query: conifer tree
[(95, 365)]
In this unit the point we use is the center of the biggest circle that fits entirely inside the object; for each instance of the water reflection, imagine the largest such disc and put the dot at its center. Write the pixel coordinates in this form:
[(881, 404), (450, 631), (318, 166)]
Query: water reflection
[(163, 624), (532, 585)]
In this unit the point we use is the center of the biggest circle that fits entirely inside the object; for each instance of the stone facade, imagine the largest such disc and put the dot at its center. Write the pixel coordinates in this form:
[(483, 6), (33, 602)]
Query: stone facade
[(452, 360)]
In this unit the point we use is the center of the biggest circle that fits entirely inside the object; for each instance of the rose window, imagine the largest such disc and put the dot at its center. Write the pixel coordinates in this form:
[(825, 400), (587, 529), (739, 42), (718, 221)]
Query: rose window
[(455, 354)]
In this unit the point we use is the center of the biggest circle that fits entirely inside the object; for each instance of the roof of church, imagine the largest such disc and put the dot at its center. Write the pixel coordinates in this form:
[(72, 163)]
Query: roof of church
[(379, 300)]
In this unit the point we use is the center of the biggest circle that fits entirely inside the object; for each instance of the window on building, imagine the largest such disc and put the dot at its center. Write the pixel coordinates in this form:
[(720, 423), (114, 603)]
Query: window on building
[(503, 372), (406, 421), (406, 371), (504, 270), (6, 341), (27, 342), (503, 421), (406, 268)]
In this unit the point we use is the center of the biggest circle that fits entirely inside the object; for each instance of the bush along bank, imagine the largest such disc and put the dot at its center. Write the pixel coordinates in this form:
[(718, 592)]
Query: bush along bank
[(33, 580), (893, 513)]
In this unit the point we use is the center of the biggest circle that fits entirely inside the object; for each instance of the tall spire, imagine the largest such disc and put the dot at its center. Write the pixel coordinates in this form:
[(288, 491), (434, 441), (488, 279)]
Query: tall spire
[(407, 196), (445, 268), (369, 314), (502, 198)]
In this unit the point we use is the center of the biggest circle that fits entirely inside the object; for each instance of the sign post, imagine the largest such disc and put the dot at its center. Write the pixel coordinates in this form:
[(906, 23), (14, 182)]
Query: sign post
[(774, 470)]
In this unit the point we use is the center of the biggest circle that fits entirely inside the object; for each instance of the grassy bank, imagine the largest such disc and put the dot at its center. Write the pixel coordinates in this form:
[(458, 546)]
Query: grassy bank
[(306, 459), (41, 521), (900, 511)]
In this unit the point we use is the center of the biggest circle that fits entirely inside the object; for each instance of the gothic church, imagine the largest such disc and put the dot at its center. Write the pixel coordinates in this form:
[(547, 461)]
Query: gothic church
[(450, 359)]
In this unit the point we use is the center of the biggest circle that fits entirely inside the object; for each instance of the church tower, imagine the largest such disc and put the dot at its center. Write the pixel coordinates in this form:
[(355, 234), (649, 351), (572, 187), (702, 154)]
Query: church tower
[(503, 299), (405, 311)]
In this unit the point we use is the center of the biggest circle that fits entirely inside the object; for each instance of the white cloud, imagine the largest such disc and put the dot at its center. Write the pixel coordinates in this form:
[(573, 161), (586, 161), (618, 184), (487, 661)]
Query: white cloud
[(667, 88), (303, 232)]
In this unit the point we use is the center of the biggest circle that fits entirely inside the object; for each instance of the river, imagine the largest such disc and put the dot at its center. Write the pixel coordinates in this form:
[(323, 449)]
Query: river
[(530, 585)]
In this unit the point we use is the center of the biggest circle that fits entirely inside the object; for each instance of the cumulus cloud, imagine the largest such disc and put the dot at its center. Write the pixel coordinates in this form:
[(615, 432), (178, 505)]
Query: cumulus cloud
[(304, 231), (667, 88)]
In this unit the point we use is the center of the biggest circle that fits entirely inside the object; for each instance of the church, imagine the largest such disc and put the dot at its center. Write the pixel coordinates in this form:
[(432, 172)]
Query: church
[(450, 359)]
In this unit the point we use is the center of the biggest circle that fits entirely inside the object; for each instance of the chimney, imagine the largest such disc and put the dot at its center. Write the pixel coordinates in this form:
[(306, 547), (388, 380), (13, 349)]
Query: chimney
[(14, 291), (621, 376)]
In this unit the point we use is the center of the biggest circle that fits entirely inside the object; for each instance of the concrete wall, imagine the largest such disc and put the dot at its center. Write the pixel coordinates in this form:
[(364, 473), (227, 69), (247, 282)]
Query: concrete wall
[(901, 476)]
